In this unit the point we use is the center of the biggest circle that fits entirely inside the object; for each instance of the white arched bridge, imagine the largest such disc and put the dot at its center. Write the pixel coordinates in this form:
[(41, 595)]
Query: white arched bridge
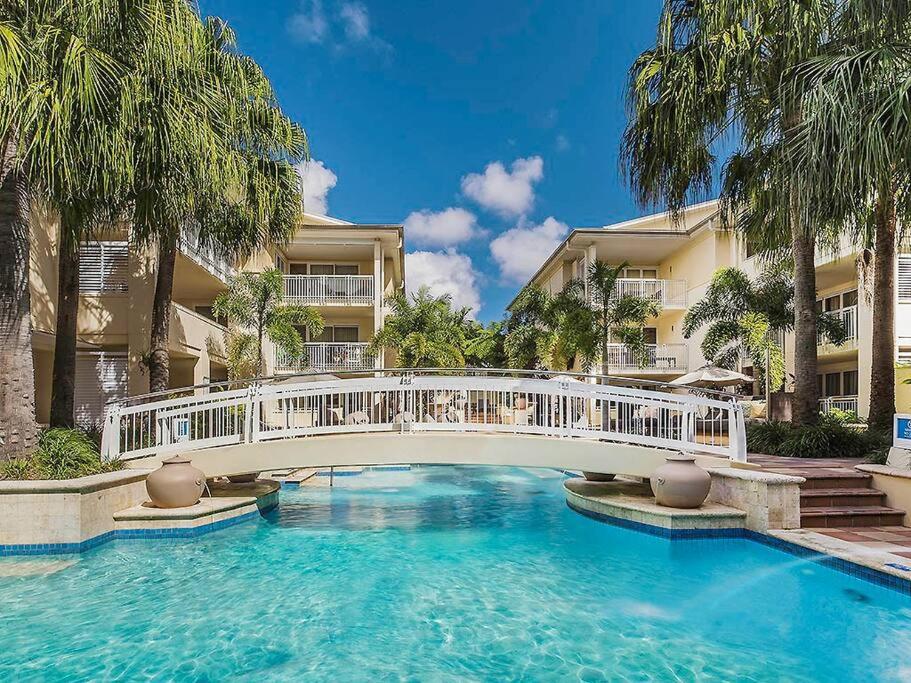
[(463, 416)]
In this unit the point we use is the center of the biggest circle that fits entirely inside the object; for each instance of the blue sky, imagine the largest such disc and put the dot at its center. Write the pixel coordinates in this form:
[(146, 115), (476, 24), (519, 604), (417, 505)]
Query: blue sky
[(489, 128)]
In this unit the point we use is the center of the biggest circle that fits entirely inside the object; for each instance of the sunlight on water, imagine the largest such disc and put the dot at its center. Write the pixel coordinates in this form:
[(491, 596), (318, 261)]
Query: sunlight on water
[(448, 574)]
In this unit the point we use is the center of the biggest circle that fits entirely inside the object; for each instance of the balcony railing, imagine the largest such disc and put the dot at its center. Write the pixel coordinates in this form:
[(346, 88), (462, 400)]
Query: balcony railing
[(658, 357), (848, 317), (847, 404), (667, 293), (217, 265), (329, 290), (327, 356)]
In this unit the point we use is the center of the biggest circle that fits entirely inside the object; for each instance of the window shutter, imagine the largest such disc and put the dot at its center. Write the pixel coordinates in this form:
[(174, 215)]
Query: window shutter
[(904, 278), (100, 377), (104, 267)]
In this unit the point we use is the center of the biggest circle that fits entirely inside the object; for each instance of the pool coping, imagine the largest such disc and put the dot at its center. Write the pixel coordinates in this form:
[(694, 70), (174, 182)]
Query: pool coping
[(779, 540)]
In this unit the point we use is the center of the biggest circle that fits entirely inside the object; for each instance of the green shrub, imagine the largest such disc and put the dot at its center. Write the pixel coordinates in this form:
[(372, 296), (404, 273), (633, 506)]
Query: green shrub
[(61, 454), (831, 437)]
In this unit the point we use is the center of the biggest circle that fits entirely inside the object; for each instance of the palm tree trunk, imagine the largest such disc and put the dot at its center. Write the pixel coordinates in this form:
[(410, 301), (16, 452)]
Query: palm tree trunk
[(63, 389), (805, 408), (18, 428), (159, 360), (882, 372)]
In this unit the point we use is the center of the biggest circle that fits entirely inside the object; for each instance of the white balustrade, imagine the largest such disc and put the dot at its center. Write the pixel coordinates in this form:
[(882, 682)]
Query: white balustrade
[(327, 356), (206, 256), (667, 293), (504, 402), (329, 290), (846, 404), (848, 317), (670, 357)]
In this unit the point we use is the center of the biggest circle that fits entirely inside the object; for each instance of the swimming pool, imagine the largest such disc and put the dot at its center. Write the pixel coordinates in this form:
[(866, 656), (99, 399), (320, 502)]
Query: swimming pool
[(444, 573)]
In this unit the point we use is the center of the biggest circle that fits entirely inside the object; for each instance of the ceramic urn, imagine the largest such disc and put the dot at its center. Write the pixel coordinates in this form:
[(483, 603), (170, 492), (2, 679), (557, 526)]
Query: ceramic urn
[(680, 482), (176, 484)]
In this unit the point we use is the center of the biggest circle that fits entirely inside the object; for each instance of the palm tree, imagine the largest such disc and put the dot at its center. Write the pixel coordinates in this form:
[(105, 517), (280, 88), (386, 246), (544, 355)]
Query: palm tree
[(747, 318), (425, 331), (589, 324), (215, 156), (253, 301), (61, 130), (726, 69), (853, 146), (530, 330)]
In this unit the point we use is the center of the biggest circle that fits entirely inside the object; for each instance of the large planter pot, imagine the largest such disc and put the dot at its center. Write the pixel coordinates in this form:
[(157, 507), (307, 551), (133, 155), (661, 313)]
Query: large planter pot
[(176, 484), (248, 478), (598, 476), (680, 482)]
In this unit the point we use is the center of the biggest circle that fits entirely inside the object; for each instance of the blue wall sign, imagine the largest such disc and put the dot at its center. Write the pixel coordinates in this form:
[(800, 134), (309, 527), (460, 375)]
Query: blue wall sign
[(902, 431)]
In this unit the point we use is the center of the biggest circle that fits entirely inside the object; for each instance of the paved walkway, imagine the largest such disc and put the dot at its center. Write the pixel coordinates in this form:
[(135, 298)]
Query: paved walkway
[(800, 467)]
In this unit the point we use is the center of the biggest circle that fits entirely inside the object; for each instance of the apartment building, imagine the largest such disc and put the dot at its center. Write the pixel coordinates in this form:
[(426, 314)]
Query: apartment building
[(344, 270), (673, 263)]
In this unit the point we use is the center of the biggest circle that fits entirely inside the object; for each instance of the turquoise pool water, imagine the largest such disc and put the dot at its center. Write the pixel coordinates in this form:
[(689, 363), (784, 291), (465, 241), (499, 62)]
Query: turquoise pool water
[(444, 574)]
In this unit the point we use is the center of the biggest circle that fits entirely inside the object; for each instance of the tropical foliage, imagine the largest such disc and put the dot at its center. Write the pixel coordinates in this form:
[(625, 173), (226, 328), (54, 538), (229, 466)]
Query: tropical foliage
[(746, 318), (727, 69), (61, 454), (254, 303), (853, 151), (831, 437), (424, 331)]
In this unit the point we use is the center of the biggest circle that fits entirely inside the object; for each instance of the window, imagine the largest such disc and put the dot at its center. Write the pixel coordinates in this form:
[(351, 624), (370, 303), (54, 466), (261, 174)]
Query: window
[(104, 267), (323, 269), (100, 376), (833, 303), (904, 278), (849, 298), (207, 312), (833, 384), (849, 383), (280, 263), (837, 302), (640, 273), (650, 334), (819, 387), (340, 334)]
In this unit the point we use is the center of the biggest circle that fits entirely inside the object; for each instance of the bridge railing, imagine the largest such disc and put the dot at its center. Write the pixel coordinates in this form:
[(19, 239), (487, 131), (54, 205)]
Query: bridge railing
[(506, 402)]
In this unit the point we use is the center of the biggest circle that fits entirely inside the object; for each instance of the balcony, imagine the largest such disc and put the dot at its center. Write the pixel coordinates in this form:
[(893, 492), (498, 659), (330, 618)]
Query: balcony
[(848, 317), (205, 256), (328, 357), (660, 358), (846, 404), (666, 293), (329, 290)]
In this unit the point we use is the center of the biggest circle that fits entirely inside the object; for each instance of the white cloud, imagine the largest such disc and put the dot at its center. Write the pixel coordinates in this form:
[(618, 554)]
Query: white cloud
[(355, 20), (445, 228), (509, 193), (521, 250), (446, 272), (309, 22), (317, 181)]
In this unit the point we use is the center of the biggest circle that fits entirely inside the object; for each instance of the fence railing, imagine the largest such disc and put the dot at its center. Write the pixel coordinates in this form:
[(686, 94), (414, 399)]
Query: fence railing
[(206, 256), (670, 357), (848, 317), (327, 356), (329, 290), (667, 293), (847, 404), (496, 401)]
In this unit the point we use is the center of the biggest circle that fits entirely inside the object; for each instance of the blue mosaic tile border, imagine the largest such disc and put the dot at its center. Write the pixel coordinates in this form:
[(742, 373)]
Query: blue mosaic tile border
[(124, 534), (859, 571)]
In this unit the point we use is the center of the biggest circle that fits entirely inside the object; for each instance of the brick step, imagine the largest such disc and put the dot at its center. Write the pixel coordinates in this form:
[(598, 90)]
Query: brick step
[(872, 515), (836, 480), (814, 498)]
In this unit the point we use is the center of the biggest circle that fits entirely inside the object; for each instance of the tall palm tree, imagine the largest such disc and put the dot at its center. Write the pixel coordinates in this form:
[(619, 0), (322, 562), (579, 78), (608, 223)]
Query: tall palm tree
[(484, 344), (425, 330), (748, 318), (853, 146), (530, 337), (215, 156), (254, 302), (726, 69), (61, 127)]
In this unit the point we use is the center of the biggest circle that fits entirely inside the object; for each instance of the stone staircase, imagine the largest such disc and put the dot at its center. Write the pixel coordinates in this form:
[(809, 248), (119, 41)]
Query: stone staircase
[(843, 499)]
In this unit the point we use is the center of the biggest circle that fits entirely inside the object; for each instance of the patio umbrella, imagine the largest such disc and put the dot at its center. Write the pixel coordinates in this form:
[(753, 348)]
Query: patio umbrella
[(710, 376)]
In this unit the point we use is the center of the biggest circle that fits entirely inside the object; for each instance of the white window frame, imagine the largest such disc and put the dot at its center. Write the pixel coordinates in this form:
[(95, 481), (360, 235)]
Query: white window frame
[(107, 281)]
